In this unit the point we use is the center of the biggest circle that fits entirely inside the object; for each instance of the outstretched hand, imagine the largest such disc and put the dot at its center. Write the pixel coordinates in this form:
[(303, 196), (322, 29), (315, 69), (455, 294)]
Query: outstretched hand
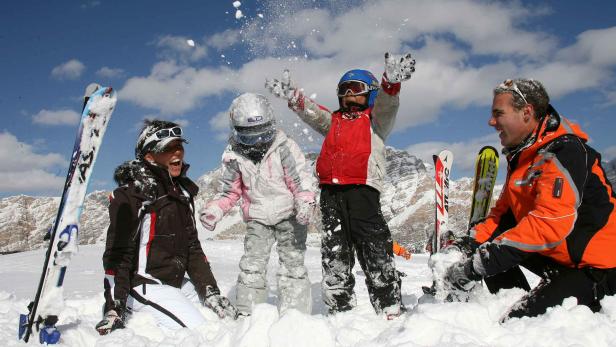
[(210, 216), (398, 68), (284, 88)]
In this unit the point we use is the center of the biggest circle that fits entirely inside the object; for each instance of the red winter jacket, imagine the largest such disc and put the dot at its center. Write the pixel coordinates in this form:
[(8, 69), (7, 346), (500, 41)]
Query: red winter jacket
[(353, 151)]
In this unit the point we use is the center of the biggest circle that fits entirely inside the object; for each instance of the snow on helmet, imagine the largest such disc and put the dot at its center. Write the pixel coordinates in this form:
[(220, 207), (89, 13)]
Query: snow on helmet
[(358, 82), (252, 119)]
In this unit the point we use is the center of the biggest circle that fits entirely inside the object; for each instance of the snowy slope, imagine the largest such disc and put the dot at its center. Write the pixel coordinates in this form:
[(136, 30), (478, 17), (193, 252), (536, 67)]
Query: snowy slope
[(437, 324)]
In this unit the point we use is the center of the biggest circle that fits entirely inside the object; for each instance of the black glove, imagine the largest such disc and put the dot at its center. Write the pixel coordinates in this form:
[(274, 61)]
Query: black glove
[(218, 303), (113, 319), (462, 275)]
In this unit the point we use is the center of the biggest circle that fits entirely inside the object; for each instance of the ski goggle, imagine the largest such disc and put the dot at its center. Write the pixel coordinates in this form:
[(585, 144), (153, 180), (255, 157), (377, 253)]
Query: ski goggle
[(162, 134), (509, 84), (254, 135), (354, 88)]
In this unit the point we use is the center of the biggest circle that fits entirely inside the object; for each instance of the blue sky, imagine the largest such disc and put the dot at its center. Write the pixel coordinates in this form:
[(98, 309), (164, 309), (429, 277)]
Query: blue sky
[(52, 49)]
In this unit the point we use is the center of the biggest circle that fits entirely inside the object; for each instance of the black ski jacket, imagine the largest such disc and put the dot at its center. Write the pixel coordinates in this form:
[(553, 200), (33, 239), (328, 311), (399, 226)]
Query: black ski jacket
[(152, 237)]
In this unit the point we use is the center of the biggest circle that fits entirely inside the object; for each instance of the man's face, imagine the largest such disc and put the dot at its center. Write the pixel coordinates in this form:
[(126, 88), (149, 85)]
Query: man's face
[(171, 158), (513, 126)]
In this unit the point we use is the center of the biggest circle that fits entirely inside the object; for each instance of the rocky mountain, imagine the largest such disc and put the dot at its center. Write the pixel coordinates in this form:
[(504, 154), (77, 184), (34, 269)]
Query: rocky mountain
[(407, 203)]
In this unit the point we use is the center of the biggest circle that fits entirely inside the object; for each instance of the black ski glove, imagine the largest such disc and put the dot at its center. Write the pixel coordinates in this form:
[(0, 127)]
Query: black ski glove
[(462, 275), (218, 303), (113, 319)]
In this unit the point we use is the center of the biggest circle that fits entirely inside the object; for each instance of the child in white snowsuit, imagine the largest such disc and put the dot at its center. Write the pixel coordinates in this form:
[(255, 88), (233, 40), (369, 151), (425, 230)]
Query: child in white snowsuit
[(350, 168), (267, 170)]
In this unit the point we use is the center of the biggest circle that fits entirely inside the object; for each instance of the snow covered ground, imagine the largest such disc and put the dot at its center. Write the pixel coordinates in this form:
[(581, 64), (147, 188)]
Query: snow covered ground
[(427, 324)]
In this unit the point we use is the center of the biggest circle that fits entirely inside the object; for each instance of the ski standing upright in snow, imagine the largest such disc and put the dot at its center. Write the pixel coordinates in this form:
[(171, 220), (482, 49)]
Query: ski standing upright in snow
[(99, 103), (442, 168), (486, 170)]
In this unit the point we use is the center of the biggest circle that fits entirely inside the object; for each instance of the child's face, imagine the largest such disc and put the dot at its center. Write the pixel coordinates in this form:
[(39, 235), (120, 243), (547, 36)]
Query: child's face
[(172, 158), (358, 99)]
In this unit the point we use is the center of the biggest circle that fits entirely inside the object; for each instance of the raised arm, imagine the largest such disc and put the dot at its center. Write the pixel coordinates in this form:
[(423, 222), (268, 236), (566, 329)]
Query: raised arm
[(316, 116), (397, 70)]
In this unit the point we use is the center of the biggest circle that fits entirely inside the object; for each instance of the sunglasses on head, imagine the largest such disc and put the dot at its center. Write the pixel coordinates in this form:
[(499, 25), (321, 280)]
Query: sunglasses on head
[(353, 88), (163, 134), (511, 85)]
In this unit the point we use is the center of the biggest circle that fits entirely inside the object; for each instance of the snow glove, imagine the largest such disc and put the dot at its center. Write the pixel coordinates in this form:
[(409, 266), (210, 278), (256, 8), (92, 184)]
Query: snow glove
[(113, 319), (285, 89), (401, 251), (462, 275), (465, 244), (398, 68), (210, 215), (304, 209), (218, 303)]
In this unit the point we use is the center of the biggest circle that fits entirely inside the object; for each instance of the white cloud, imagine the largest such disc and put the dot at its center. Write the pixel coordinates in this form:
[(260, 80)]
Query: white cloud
[(224, 39), (592, 46), (57, 117), (318, 45), (25, 170), (107, 72), (90, 4), (177, 48), (70, 70), (464, 153), (220, 122), (36, 181)]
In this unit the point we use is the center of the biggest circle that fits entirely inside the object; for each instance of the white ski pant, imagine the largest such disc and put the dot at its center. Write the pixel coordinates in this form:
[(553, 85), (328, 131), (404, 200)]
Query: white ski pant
[(292, 275), (171, 307)]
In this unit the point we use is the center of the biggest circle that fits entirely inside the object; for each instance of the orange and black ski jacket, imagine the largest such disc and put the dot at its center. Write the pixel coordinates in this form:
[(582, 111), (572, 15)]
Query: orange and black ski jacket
[(556, 202)]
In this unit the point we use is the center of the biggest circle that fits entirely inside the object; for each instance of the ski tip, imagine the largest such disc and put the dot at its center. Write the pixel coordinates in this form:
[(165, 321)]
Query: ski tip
[(488, 148)]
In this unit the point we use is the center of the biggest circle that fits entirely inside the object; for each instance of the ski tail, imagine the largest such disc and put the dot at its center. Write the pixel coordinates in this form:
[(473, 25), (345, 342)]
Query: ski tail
[(442, 169), (63, 244), (486, 170)]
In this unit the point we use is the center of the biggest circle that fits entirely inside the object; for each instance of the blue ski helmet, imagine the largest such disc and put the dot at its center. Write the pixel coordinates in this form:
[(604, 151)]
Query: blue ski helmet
[(364, 76)]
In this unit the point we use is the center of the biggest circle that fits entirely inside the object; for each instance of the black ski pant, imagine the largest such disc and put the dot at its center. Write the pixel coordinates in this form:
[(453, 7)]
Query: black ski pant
[(353, 224), (558, 282)]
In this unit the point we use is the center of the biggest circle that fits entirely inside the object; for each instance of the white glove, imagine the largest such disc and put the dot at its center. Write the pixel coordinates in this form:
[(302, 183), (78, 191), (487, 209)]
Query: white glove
[(210, 215), (304, 210), (462, 276), (284, 88), (398, 68)]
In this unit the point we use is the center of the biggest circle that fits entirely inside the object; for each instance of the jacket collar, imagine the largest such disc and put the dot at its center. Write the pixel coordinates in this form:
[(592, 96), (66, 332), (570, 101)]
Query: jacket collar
[(551, 127)]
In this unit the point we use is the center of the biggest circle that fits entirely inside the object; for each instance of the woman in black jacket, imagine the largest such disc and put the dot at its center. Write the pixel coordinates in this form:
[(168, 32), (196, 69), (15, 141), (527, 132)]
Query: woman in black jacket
[(152, 239)]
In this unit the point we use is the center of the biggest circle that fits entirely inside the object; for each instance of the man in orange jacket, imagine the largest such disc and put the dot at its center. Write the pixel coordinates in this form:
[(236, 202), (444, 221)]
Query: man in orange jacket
[(555, 215)]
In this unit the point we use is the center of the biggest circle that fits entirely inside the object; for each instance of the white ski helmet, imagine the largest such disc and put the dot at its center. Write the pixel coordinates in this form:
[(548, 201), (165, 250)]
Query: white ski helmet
[(252, 119)]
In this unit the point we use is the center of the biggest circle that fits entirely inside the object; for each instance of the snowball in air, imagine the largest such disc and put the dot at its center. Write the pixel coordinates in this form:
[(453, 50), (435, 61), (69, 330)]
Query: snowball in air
[(237, 4), (190, 42), (238, 14)]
